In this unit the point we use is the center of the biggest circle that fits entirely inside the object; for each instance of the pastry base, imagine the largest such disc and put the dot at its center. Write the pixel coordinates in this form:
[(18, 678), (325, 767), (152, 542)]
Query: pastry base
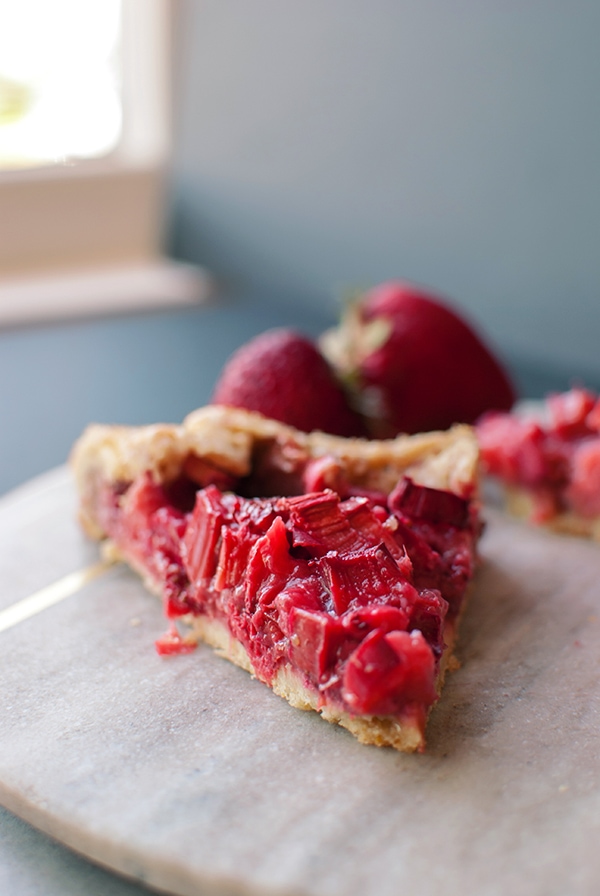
[(402, 733), (520, 504)]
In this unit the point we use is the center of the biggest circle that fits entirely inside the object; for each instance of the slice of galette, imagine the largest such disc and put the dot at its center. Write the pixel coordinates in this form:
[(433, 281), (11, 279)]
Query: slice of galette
[(546, 457), (334, 570)]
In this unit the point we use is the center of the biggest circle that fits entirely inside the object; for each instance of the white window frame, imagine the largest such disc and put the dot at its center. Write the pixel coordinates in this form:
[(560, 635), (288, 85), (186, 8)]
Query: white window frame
[(97, 218)]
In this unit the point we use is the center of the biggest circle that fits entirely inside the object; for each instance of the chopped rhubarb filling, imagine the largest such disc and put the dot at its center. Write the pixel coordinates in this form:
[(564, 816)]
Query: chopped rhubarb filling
[(353, 593), (333, 569), (552, 457)]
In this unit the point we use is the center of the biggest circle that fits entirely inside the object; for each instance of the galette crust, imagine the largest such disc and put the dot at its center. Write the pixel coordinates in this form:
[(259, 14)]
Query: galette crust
[(229, 437)]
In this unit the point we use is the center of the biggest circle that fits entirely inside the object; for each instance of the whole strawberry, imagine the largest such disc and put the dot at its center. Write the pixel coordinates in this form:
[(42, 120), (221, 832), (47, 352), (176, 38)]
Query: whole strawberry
[(282, 374), (414, 364)]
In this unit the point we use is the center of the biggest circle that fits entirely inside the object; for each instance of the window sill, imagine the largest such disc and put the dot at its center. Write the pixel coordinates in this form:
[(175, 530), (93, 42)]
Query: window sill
[(110, 289)]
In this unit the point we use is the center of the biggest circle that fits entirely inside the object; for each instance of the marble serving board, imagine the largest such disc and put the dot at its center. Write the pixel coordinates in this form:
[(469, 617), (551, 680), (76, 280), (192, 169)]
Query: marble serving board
[(186, 774)]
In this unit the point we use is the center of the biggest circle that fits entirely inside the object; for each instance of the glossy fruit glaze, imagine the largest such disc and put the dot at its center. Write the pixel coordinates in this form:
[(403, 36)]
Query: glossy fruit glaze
[(554, 456), (353, 592)]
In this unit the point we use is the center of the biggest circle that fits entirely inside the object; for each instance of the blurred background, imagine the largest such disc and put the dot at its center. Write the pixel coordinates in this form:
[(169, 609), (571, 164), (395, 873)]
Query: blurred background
[(177, 176), (458, 145)]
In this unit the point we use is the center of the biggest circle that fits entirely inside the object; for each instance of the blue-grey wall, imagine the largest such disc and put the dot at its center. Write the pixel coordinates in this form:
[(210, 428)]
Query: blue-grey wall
[(330, 143)]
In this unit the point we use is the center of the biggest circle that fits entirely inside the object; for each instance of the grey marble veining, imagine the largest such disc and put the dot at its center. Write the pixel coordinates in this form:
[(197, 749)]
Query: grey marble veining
[(188, 775)]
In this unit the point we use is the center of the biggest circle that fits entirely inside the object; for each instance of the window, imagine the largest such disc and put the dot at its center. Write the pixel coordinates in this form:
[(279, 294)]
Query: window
[(84, 141), (60, 84)]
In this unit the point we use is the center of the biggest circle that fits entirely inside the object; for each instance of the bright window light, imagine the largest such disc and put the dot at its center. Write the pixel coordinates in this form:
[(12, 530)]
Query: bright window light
[(60, 85)]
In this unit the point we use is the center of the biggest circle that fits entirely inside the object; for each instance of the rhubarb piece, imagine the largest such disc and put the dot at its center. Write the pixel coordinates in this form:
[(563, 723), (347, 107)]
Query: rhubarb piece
[(547, 460), (343, 598)]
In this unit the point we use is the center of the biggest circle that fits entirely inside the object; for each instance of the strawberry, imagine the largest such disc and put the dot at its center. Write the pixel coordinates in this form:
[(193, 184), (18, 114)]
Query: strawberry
[(282, 374), (413, 363)]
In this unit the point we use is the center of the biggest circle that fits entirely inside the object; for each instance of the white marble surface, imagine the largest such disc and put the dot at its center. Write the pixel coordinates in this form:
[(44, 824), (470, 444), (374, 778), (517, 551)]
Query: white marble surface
[(187, 775)]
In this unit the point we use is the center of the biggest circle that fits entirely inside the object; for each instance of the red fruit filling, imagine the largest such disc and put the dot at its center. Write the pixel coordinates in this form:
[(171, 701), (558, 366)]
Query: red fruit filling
[(353, 594), (555, 458)]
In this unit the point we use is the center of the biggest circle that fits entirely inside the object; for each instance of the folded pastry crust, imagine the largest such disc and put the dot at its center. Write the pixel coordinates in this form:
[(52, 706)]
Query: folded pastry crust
[(230, 439)]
